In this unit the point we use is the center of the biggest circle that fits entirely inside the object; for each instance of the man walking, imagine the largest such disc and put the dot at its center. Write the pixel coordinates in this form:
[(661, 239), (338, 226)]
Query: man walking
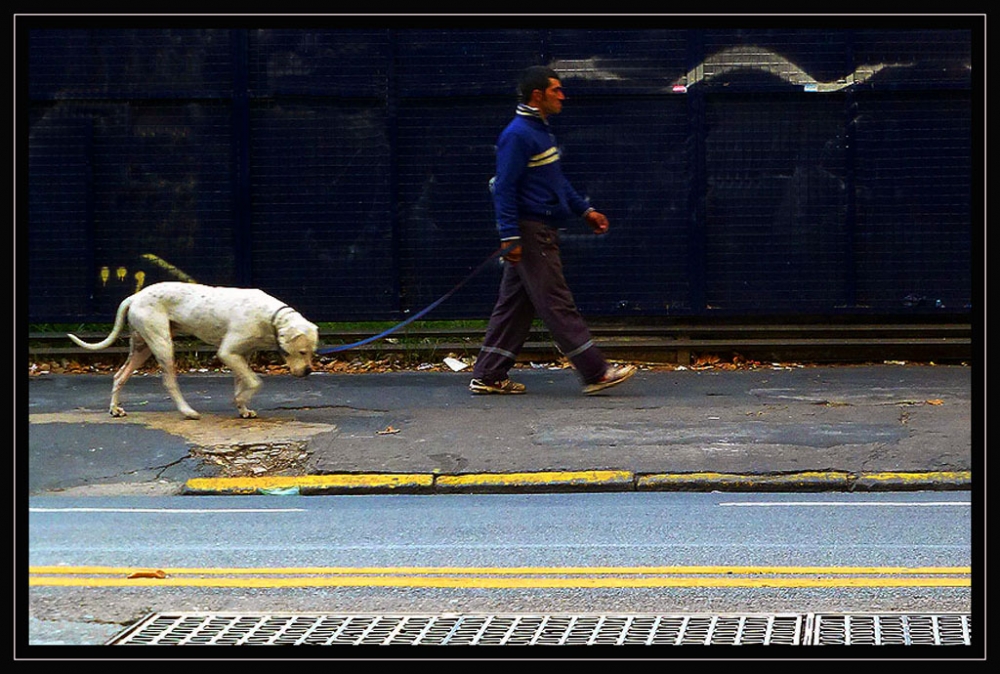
[(531, 197)]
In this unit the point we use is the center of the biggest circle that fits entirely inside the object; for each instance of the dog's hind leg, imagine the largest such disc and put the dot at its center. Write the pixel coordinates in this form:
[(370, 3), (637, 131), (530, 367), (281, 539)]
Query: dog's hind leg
[(138, 354), (170, 383), (155, 330)]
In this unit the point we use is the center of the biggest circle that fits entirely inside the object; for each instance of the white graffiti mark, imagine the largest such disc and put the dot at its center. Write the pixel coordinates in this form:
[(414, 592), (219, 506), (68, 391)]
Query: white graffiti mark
[(584, 69), (743, 57), (751, 57)]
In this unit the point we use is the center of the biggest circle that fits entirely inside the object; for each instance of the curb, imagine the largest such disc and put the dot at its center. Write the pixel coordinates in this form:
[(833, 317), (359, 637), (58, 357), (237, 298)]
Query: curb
[(577, 481)]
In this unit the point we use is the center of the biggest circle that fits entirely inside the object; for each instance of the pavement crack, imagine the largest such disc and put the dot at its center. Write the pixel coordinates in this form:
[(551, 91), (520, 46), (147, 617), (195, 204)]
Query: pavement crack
[(350, 408), (160, 470)]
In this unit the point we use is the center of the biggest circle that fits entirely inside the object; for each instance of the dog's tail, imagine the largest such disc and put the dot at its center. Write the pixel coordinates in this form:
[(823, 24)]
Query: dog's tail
[(110, 339)]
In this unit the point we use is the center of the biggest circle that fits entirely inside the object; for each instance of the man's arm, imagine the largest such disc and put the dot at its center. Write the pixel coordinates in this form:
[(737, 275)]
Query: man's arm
[(512, 162)]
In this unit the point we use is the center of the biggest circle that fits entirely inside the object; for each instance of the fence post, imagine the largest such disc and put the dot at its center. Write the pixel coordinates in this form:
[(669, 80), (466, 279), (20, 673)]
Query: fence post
[(850, 183), (242, 230), (697, 271)]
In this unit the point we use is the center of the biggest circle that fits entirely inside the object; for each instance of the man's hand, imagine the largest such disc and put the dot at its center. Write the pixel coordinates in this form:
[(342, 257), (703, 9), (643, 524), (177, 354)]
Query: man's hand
[(513, 254), (597, 221)]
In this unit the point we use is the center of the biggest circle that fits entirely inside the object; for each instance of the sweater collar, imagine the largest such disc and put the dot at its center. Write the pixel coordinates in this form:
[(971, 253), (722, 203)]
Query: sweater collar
[(524, 110)]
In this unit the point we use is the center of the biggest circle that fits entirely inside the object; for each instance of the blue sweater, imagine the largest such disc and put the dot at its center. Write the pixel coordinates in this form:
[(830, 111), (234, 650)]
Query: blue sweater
[(529, 182)]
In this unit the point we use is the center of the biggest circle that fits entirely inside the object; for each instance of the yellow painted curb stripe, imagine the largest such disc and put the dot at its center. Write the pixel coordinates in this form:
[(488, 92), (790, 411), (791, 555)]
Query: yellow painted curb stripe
[(805, 476), (509, 570), (961, 476), (590, 478), (497, 583), (580, 478), (251, 485)]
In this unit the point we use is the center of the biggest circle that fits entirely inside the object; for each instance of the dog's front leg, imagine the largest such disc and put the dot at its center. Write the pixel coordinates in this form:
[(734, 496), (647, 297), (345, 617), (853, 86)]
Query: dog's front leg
[(245, 380)]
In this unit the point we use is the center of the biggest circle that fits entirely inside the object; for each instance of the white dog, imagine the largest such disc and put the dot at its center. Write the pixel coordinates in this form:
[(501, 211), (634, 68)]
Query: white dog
[(236, 320)]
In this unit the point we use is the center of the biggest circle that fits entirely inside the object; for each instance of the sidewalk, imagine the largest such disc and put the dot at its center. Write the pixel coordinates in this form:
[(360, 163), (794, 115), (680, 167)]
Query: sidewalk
[(882, 427)]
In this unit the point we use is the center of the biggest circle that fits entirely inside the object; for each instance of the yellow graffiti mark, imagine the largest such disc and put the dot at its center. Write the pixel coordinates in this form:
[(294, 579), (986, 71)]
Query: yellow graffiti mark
[(169, 268), (140, 278), (122, 272), (105, 275)]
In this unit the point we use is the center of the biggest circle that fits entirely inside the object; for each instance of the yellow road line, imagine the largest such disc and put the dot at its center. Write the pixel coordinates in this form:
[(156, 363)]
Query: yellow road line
[(513, 570), (503, 577), (499, 583)]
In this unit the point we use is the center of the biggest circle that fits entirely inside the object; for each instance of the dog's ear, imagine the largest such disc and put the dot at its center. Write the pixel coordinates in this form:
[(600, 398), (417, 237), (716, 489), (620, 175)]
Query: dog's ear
[(290, 333)]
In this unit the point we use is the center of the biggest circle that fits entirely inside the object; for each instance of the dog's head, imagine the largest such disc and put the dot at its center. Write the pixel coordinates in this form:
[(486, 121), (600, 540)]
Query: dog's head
[(297, 339)]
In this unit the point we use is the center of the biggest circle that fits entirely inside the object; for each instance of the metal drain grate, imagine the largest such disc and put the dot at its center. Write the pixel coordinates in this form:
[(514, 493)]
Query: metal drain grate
[(183, 629), (884, 630)]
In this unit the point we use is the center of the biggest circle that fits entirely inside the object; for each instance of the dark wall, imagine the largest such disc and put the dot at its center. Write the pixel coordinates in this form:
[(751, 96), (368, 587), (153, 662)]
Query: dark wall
[(792, 171)]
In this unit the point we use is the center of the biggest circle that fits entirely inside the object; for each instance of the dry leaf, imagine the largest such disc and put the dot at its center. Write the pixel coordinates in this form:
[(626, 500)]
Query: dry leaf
[(148, 574)]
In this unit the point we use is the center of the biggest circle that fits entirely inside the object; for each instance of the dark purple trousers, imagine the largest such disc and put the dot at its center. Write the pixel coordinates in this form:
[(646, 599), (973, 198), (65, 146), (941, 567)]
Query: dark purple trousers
[(535, 286)]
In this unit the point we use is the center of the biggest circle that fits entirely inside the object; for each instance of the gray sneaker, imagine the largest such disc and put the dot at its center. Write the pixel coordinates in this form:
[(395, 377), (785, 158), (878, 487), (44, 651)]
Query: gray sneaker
[(505, 387), (615, 375)]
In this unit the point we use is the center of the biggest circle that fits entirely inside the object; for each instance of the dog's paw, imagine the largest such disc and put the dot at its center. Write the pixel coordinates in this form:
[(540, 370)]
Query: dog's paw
[(117, 412), (248, 414), (190, 414)]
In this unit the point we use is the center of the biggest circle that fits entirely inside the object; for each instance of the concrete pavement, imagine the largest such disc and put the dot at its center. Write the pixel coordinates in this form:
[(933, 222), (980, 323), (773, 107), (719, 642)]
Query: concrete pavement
[(778, 428)]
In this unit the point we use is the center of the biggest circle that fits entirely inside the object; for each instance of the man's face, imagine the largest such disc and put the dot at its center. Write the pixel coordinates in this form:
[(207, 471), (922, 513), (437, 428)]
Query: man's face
[(550, 101)]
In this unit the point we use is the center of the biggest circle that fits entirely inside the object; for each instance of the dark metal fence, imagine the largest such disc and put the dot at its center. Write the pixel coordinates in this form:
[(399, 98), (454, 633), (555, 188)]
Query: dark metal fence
[(344, 170)]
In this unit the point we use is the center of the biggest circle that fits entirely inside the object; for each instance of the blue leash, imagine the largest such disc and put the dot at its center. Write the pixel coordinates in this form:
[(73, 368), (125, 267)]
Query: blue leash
[(423, 312)]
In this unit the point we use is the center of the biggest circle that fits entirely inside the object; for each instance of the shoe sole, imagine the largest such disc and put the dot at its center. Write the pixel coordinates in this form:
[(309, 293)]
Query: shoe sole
[(494, 391), (481, 392), (596, 388)]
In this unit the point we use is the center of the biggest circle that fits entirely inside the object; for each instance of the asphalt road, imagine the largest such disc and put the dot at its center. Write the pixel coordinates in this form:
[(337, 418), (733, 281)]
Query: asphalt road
[(580, 554)]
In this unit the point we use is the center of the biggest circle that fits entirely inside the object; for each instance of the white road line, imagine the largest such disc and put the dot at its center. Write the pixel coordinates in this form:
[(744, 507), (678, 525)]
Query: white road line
[(846, 504), (166, 510)]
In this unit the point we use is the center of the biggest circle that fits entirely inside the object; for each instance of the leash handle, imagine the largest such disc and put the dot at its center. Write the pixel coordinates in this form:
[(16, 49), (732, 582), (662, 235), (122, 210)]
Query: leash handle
[(423, 312)]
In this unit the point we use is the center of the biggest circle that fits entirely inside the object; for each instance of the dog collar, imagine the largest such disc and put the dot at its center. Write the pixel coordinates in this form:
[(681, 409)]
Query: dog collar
[(274, 326)]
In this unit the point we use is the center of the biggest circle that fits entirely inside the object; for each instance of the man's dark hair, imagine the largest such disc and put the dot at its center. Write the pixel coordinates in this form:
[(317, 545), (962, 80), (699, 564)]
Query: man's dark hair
[(535, 77)]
